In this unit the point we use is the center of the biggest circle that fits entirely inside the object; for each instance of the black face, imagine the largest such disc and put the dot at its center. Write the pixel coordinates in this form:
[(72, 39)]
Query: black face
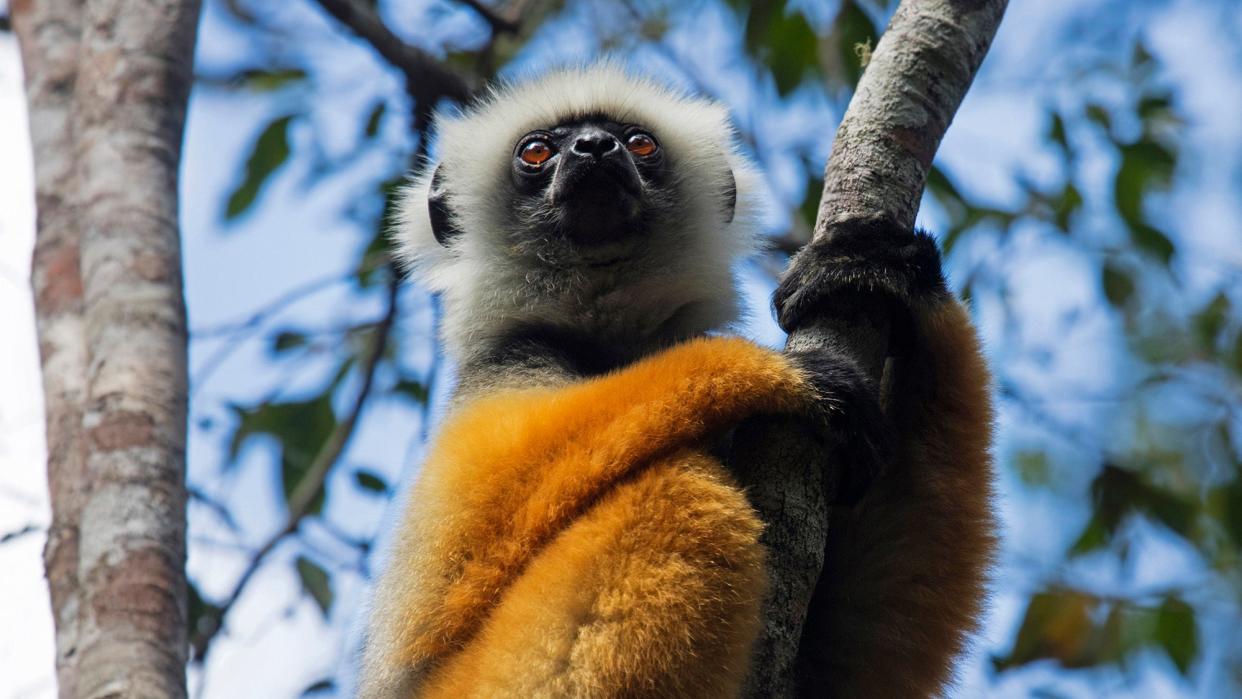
[(593, 178), (584, 182)]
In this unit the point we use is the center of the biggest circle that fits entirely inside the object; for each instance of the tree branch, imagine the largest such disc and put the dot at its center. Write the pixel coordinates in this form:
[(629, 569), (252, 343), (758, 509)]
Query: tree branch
[(428, 79), (918, 75), (916, 79), (19, 533), (501, 23)]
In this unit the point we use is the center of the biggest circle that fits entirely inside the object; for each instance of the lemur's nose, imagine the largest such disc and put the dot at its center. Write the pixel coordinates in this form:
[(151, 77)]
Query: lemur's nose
[(595, 142)]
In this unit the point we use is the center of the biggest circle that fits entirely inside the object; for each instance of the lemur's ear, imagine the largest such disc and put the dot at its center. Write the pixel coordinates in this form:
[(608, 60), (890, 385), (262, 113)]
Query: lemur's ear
[(730, 197), (442, 226)]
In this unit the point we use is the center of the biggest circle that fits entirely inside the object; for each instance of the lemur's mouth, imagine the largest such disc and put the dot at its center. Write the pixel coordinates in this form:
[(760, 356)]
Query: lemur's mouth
[(597, 203), (595, 183)]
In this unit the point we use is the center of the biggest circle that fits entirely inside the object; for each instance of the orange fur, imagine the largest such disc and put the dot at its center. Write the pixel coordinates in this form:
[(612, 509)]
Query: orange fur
[(579, 541)]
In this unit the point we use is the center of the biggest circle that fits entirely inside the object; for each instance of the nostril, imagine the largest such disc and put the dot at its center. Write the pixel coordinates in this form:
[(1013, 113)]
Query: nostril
[(596, 144)]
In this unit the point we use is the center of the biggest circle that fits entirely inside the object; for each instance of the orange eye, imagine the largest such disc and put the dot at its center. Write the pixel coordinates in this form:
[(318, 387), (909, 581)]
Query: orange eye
[(536, 153), (641, 144)]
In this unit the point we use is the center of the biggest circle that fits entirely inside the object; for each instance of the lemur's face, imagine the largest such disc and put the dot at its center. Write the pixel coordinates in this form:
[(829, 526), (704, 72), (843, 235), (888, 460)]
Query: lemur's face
[(584, 188), (586, 197), (594, 180)]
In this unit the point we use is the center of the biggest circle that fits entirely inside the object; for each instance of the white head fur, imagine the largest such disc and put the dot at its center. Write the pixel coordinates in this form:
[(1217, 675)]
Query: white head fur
[(676, 284)]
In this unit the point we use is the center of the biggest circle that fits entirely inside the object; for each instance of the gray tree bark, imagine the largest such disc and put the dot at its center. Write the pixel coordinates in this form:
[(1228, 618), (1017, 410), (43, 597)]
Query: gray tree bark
[(107, 85), (48, 32), (907, 96)]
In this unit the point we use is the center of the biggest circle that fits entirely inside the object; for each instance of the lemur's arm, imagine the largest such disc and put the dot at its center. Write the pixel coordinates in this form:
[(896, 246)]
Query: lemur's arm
[(906, 565)]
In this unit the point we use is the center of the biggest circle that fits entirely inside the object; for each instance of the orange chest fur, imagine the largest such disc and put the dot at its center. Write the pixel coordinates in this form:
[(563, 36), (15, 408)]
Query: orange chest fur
[(511, 472)]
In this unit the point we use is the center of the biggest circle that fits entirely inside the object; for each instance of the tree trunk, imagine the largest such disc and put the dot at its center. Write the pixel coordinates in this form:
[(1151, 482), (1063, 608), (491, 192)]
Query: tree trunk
[(48, 32), (107, 84), (905, 100)]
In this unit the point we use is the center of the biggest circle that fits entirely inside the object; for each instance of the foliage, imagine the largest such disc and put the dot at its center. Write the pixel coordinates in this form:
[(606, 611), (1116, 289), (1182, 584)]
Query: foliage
[(1162, 447)]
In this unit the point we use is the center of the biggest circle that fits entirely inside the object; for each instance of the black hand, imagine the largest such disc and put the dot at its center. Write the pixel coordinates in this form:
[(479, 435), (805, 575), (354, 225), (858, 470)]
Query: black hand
[(860, 263), (849, 416)]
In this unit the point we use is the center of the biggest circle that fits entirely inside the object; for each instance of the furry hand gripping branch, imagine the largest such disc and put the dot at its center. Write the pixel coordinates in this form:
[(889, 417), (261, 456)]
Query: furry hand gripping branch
[(574, 531)]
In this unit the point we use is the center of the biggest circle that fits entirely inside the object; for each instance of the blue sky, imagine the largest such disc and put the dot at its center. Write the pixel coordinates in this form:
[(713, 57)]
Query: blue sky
[(297, 235)]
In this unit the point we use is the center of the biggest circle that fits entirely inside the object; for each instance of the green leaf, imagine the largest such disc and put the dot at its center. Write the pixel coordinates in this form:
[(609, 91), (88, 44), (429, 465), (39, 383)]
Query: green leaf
[(1066, 205), (1033, 467), (1118, 492), (316, 583), (1146, 166), (202, 618), (369, 480), (759, 14), (1211, 321), (374, 119), (1152, 241), (1141, 58), (1094, 536), (1177, 633), (792, 47), (940, 185), (197, 608), (346, 364), (1112, 496), (371, 267), (286, 340), (1118, 285), (1236, 362), (1057, 625), (1056, 133), (414, 390), (1230, 498), (270, 80), (1169, 508), (320, 687), (269, 151), (300, 429), (1159, 106), (1126, 629), (782, 40), (1100, 116)]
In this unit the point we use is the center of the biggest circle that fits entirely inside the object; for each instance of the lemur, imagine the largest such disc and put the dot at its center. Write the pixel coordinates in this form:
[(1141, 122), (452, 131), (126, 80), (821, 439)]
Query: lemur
[(574, 531)]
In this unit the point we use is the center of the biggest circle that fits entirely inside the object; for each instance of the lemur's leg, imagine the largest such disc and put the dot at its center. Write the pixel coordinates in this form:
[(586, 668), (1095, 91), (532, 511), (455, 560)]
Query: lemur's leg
[(905, 566)]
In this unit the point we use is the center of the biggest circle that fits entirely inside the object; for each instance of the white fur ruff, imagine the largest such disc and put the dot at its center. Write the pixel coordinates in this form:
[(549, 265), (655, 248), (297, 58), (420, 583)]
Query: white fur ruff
[(688, 271)]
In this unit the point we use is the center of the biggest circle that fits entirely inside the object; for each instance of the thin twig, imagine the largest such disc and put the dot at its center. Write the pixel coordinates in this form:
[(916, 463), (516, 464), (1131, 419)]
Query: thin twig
[(19, 533), (310, 485), (278, 304), (203, 498), (241, 330)]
